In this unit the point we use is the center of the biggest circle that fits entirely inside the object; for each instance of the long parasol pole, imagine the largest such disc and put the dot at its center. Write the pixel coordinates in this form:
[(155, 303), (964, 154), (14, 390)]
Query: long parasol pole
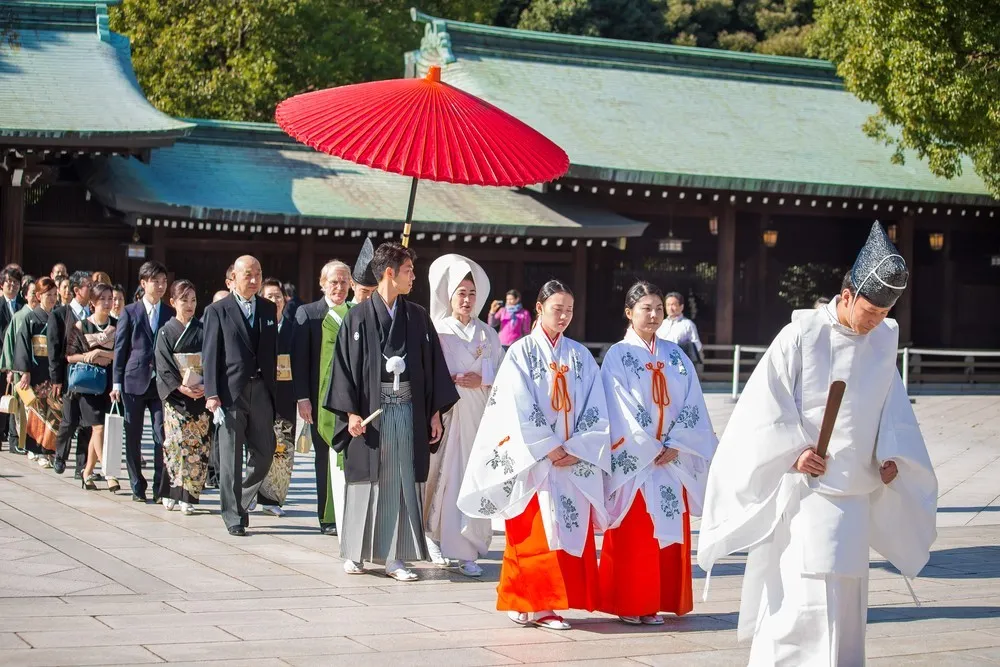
[(409, 213)]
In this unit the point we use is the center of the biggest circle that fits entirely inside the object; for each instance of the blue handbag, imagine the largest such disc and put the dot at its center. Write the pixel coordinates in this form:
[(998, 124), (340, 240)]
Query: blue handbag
[(87, 379)]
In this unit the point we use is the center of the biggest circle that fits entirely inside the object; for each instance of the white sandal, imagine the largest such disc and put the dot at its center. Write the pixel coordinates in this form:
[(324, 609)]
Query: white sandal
[(551, 622), (471, 568), (402, 574), (350, 567), (519, 617), (651, 620), (631, 620)]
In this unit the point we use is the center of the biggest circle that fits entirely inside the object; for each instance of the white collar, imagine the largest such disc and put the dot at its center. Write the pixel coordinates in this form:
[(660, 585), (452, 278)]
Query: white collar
[(631, 336), (150, 307)]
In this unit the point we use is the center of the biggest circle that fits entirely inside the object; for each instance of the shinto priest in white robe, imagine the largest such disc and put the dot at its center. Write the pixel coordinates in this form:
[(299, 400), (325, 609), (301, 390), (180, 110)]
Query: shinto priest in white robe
[(544, 396), (805, 590), (472, 348)]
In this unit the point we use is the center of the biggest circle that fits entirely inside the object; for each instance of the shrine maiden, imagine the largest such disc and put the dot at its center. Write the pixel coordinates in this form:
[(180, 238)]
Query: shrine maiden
[(472, 350), (662, 444), (805, 591), (539, 461)]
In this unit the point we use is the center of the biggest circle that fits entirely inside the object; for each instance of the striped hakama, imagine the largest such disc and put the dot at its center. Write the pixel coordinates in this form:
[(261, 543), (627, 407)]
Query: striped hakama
[(382, 521)]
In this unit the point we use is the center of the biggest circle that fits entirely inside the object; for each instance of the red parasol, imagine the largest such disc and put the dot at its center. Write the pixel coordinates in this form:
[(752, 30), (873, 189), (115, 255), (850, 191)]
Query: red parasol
[(425, 129)]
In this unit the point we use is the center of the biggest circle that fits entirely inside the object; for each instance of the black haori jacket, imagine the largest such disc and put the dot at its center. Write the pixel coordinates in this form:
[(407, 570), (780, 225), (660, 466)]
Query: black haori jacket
[(358, 372)]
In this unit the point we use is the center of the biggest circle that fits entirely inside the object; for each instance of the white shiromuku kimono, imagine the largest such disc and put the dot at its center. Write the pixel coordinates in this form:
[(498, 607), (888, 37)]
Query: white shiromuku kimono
[(805, 591), (544, 396), (474, 348), (637, 381)]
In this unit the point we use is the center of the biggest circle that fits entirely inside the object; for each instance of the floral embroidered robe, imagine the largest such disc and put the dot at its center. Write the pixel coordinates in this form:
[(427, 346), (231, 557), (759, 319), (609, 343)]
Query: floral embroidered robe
[(545, 395), (655, 400)]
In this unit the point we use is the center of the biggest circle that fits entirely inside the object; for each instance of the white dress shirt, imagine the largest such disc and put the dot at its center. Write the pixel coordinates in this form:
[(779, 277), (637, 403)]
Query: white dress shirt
[(679, 330)]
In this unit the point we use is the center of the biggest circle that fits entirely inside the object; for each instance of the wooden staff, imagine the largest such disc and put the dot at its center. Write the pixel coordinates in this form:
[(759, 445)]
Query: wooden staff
[(370, 418), (833, 400)]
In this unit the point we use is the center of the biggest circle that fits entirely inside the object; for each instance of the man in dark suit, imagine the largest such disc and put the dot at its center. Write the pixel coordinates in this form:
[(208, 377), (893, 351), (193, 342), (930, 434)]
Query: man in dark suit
[(11, 303), (61, 320), (134, 372), (317, 324), (238, 356)]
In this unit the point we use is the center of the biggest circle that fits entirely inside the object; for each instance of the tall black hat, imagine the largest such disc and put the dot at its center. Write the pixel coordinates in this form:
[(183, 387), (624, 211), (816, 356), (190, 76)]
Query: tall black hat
[(362, 273), (879, 273)]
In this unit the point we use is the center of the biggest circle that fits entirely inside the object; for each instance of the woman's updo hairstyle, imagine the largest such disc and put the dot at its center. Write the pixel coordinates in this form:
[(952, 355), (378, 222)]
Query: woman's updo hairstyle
[(552, 288), (639, 290), (181, 287)]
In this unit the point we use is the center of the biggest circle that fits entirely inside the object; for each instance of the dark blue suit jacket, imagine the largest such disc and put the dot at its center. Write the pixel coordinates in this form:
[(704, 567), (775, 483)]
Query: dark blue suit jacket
[(134, 347)]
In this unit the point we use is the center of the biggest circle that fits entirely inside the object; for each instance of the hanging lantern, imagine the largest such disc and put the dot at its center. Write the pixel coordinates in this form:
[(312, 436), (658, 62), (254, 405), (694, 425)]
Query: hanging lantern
[(892, 231), (770, 237), (936, 240), (713, 225)]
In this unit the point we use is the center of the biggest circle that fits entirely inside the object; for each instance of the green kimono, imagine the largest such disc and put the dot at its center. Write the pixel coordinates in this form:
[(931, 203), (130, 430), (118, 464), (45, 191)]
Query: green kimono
[(326, 421)]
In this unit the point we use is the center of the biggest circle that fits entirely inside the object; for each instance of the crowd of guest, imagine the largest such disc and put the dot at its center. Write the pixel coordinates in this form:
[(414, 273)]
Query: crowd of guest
[(425, 423)]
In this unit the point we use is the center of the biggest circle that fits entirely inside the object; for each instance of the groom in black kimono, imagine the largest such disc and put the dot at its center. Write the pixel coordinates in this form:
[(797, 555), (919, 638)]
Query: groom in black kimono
[(387, 358)]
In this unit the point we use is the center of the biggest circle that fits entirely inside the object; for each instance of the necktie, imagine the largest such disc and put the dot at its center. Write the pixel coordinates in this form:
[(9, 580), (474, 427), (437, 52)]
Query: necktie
[(154, 319)]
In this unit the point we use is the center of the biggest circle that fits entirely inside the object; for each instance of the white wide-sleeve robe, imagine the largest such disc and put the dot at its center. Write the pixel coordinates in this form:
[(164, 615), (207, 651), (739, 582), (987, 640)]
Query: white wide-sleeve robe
[(476, 349), (803, 531), (544, 396), (632, 374)]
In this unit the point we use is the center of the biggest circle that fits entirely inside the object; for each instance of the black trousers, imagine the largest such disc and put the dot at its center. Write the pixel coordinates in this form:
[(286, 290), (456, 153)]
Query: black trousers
[(323, 454), (68, 427), (136, 406), (249, 425)]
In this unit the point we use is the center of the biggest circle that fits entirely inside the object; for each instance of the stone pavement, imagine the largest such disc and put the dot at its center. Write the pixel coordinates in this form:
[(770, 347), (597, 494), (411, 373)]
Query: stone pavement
[(88, 578)]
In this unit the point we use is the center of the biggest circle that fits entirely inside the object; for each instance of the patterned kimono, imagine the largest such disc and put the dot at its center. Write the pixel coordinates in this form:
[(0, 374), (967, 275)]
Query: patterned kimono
[(31, 356), (274, 489), (546, 394), (186, 422), (654, 401)]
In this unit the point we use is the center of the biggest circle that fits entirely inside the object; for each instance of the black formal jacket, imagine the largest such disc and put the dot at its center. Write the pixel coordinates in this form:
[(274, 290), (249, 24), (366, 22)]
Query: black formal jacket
[(357, 378), (61, 321), (284, 402), (135, 348), (6, 317), (229, 358)]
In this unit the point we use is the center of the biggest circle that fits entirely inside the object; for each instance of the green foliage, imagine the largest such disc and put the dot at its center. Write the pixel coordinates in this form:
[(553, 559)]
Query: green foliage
[(932, 67), (801, 284), (237, 60), (9, 37)]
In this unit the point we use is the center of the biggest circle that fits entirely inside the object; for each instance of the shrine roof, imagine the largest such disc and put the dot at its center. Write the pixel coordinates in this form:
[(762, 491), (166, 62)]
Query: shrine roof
[(68, 81), (654, 114), (252, 173)]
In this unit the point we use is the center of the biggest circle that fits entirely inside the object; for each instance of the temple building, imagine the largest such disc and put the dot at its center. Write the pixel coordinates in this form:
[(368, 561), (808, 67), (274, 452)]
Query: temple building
[(742, 181)]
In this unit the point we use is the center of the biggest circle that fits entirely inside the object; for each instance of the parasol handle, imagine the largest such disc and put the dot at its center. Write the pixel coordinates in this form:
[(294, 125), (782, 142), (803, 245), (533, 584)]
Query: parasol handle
[(833, 400), (407, 225)]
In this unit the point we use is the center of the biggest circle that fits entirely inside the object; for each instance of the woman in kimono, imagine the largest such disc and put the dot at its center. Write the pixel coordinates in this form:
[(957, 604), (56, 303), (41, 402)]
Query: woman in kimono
[(179, 382), (274, 490), (539, 461), (92, 341), (17, 443), (31, 360), (661, 445), (472, 350)]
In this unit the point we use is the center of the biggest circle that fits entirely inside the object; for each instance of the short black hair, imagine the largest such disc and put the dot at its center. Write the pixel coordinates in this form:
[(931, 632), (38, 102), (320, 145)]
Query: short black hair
[(848, 284), (98, 290), (289, 290), (273, 282), (514, 293), (77, 279), (117, 287), (12, 271), (390, 256), (150, 270), (676, 295)]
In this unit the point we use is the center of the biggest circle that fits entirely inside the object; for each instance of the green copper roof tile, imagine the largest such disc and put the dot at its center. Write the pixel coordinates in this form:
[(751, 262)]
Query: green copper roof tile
[(253, 173), (677, 116), (71, 80)]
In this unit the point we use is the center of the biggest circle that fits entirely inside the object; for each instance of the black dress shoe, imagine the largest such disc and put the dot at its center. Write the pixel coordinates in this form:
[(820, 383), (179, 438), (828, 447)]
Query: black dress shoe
[(136, 498), (237, 531), (156, 499), (328, 529), (19, 450), (59, 466), (245, 522)]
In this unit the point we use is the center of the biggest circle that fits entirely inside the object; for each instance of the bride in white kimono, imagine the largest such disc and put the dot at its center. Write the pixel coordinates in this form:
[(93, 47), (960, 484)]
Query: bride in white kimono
[(662, 444), (472, 350), (808, 522), (539, 462)]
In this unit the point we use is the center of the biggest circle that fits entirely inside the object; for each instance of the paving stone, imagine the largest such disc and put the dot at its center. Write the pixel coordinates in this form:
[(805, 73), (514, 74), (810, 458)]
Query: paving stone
[(466, 657), (133, 636), (72, 657), (252, 650)]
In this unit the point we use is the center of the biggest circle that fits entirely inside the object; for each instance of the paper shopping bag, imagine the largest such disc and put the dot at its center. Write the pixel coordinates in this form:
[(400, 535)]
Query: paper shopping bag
[(303, 443), (114, 434)]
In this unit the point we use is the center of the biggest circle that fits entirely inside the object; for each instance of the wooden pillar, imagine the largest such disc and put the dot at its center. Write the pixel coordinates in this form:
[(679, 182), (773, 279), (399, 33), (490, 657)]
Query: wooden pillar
[(308, 284), (762, 259), (12, 223), (948, 306), (903, 312), (578, 328), (725, 277)]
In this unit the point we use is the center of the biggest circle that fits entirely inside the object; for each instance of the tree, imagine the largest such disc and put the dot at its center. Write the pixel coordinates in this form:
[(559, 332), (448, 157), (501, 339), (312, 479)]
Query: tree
[(237, 60), (640, 20), (932, 67), (9, 36)]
